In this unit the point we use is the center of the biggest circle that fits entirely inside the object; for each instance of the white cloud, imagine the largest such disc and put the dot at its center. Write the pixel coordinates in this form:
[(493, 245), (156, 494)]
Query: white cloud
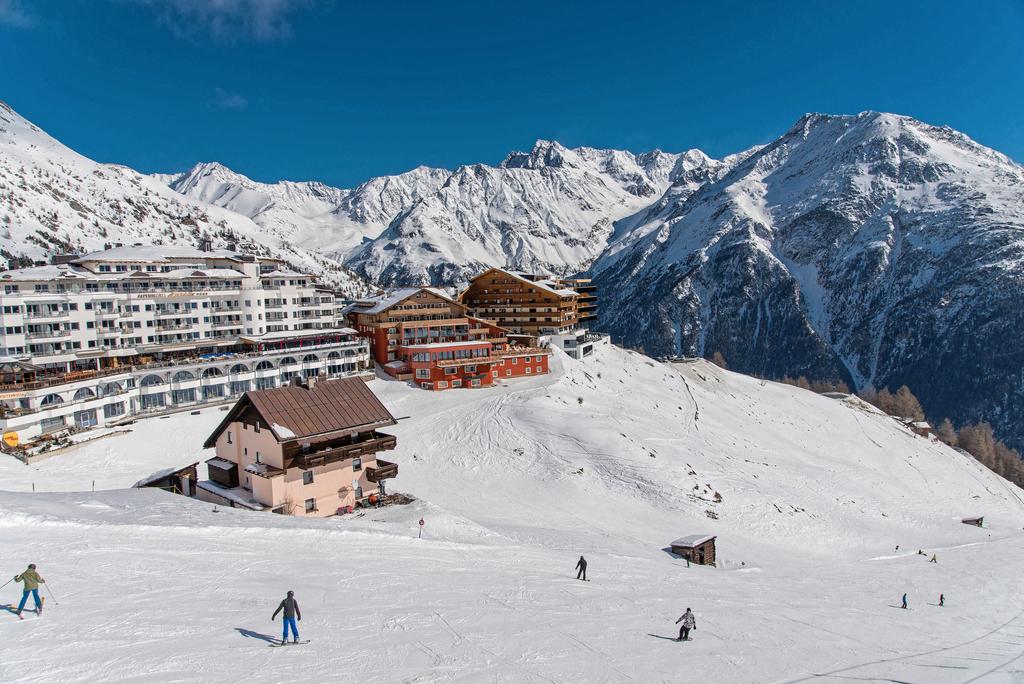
[(13, 13), (227, 20), (225, 100)]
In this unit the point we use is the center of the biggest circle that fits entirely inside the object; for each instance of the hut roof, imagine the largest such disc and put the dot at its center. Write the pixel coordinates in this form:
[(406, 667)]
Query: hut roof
[(693, 540)]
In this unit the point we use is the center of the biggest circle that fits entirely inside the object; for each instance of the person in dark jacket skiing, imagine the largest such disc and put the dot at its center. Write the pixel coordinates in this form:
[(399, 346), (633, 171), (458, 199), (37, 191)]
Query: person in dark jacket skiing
[(904, 601), (942, 600), (689, 622), (581, 566), (291, 612), (32, 580)]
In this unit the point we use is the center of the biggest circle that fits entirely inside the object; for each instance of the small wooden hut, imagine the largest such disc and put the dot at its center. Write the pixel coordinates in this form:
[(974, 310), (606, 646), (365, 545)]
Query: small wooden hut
[(977, 522), (697, 548), (174, 480)]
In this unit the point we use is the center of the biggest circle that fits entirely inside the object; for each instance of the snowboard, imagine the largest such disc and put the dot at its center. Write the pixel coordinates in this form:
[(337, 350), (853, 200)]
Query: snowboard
[(289, 643)]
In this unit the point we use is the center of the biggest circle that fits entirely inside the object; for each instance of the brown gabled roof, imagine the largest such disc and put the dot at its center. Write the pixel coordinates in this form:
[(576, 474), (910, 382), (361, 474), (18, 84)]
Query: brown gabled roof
[(294, 412)]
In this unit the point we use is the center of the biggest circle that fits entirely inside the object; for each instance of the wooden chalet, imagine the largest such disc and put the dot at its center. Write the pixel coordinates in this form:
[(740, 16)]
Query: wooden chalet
[(525, 303), (697, 548), (303, 449)]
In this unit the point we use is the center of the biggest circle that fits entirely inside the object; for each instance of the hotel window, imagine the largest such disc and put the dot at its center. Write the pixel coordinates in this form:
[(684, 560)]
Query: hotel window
[(422, 372), (528, 370), (494, 374), (508, 372), (527, 359), (474, 383), (307, 477), (442, 385), (357, 464), (515, 362), (310, 505), (539, 369)]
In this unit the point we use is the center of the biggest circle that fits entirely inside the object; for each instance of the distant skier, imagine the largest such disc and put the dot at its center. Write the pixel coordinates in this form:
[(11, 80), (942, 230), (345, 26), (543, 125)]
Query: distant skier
[(291, 612), (897, 547), (581, 566), (689, 622), (904, 601), (942, 600), (32, 580), (934, 559)]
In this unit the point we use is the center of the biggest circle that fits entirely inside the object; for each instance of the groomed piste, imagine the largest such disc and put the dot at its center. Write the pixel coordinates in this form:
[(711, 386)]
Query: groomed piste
[(613, 458)]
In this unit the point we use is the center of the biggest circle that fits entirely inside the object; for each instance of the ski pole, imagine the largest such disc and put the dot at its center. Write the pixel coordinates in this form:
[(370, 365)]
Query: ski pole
[(6, 583), (51, 593)]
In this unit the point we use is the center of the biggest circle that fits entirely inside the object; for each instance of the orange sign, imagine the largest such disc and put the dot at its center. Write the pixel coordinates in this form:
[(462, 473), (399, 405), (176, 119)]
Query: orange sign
[(11, 439)]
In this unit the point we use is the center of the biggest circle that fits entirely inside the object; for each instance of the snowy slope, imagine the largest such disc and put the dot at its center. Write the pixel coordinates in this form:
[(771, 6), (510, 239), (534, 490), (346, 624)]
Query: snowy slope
[(874, 248), (55, 200), (550, 209), (514, 483)]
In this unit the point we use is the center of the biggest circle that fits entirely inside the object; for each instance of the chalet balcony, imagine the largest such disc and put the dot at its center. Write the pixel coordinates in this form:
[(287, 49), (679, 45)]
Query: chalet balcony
[(385, 470), (378, 441), (474, 361)]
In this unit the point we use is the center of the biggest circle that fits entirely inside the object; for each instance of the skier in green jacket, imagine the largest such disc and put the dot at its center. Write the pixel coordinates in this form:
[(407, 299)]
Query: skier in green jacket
[(32, 580)]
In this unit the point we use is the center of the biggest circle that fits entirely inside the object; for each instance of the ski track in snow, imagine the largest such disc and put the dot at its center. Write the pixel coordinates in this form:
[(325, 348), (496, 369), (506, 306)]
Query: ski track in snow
[(515, 483)]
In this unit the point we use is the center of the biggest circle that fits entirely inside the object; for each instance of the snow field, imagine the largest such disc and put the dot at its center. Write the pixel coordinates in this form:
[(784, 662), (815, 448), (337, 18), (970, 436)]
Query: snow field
[(815, 494)]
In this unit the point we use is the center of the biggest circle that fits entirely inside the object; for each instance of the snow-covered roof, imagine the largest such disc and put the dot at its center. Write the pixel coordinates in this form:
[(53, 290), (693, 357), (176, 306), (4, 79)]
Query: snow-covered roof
[(238, 495), (375, 305), (220, 463), (545, 284), (921, 424), (48, 272), (154, 254), (692, 540), (396, 364)]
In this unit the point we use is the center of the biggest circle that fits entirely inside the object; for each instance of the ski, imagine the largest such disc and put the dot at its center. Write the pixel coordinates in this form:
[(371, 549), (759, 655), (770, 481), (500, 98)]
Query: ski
[(289, 643)]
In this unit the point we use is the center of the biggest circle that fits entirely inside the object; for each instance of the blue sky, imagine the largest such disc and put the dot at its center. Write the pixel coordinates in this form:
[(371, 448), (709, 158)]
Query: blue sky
[(340, 91)]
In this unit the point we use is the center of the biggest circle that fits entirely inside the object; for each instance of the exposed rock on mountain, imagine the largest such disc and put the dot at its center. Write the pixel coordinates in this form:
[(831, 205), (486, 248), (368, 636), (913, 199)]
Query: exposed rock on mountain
[(874, 248)]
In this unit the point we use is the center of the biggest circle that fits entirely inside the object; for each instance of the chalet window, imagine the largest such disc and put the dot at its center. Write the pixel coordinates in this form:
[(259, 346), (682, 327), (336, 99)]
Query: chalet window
[(442, 384), (528, 370), (229, 437), (357, 464), (539, 370), (515, 362), (508, 372), (527, 359), (256, 426), (305, 448), (494, 374), (451, 371), (310, 505), (307, 477), (422, 372), (474, 383)]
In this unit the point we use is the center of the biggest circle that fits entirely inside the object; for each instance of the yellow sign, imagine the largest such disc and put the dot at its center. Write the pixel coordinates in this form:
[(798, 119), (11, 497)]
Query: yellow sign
[(11, 439)]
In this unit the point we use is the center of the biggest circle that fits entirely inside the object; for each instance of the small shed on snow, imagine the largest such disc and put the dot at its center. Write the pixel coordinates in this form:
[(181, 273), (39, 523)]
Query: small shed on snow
[(174, 480), (977, 522), (697, 548)]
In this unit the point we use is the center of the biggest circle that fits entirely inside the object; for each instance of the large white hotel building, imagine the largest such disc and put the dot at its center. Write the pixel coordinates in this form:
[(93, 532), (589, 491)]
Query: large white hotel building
[(97, 339)]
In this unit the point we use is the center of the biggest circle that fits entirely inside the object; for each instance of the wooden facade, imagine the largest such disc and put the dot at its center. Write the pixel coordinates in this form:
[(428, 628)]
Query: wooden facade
[(423, 335), (523, 303), (696, 548)]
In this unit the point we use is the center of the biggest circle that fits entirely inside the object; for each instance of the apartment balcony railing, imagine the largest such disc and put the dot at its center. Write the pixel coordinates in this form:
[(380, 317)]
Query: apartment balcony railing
[(46, 334), (384, 470), (377, 442), (46, 313)]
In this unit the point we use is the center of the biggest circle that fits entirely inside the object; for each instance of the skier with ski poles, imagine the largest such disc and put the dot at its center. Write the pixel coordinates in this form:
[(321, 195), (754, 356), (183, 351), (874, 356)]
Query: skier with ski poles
[(291, 611), (32, 580), (689, 622)]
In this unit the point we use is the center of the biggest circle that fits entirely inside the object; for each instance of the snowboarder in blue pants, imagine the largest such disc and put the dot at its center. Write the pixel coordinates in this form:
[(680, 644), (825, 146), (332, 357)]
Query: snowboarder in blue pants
[(32, 580), (291, 612)]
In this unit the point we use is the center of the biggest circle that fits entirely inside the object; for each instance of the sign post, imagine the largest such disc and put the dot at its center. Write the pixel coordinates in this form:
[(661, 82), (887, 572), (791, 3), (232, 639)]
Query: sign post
[(420, 535)]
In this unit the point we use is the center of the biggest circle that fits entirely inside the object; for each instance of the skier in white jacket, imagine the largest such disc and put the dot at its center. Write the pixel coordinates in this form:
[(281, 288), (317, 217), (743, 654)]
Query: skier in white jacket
[(689, 622)]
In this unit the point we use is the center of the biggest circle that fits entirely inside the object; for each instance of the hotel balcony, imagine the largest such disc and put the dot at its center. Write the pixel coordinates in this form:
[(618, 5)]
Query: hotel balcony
[(384, 470), (378, 441)]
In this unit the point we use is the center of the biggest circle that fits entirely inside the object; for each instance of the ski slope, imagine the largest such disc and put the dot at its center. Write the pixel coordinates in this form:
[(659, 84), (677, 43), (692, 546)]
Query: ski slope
[(612, 457)]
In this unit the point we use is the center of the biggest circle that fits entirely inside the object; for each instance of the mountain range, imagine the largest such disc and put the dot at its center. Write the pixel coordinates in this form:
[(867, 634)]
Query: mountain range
[(872, 248)]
